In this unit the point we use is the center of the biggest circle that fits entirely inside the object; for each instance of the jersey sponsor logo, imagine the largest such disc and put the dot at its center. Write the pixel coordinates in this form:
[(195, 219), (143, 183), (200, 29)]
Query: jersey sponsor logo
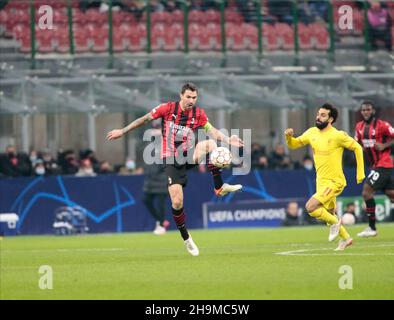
[(179, 128), (368, 143)]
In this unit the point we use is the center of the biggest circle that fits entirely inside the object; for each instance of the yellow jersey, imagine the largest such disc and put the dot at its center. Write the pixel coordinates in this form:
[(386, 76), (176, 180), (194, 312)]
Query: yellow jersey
[(327, 147)]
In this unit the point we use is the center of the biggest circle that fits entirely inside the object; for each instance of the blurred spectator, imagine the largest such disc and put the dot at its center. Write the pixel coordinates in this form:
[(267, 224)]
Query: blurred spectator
[(282, 10), (39, 169), (319, 9), (292, 214), (279, 159), (305, 13), (50, 164), (33, 156), (88, 4), (248, 10), (258, 157), (68, 162), (350, 208), (156, 6), (105, 168), (14, 164), (307, 163), (89, 154), (379, 26), (129, 167), (86, 169)]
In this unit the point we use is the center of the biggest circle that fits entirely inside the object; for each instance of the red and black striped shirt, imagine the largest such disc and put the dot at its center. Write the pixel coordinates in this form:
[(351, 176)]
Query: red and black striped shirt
[(178, 126), (378, 131)]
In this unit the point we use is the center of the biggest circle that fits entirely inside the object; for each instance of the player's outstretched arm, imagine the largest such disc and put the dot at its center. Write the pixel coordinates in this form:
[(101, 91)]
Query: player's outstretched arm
[(358, 152), (234, 140), (118, 133), (293, 143)]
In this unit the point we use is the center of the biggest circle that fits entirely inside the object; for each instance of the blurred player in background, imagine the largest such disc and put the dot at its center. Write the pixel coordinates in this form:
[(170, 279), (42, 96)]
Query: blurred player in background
[(179, 121), (327, 144), (376, 137)]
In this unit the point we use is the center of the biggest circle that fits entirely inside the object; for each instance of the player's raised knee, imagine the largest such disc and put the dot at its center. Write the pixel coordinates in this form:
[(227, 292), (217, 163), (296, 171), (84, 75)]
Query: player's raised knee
[(177, 204)]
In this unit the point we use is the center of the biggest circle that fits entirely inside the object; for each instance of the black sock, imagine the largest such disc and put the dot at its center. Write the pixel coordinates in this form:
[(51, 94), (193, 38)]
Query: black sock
[(371, 213), (216, 174), (180, 218)]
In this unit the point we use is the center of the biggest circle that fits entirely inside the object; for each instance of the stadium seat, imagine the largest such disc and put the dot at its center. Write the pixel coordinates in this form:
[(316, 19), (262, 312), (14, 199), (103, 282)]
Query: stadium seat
[(270, 37), (286, 35), (320, 36), (118, 43), (234, 38), (176, 16), (44, 40), (305, 37), (233, 16), (161, 17), (81, 42), (250, 34), (25, 43), (62, 40), (212, 16), (196, 16)]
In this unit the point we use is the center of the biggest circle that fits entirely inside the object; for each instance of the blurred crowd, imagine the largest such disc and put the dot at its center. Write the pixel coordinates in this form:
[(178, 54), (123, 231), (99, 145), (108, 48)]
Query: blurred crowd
[(43, 163), (86, 164)]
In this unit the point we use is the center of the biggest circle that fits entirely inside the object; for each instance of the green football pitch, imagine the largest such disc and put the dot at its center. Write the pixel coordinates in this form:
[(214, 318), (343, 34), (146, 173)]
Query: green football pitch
[(283, 263)]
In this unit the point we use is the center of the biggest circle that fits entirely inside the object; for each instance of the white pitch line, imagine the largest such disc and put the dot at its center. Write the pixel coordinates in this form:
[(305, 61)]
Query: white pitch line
[(303, 252)]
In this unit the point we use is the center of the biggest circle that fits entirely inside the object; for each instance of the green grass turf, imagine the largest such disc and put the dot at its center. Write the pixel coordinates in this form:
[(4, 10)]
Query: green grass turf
[(233, 264)]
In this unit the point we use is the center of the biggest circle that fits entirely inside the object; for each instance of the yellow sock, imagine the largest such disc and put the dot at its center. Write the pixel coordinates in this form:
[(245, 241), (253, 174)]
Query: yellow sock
[(322, 214), (343, 234)]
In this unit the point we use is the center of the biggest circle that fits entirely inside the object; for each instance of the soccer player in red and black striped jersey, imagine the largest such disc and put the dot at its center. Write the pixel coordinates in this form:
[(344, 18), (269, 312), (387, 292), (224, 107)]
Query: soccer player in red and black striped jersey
[(180, 120), (376, 137)]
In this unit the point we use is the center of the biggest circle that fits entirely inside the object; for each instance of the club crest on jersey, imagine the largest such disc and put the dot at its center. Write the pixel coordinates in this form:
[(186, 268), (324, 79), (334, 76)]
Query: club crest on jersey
[(174, 116), (192, 121)]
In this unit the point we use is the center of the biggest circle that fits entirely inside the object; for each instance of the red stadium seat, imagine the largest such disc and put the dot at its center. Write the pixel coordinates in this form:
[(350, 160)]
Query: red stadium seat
[(161, 17), (321, 36), (25, 44), (212, 16), (233, 16), (270, 37), (118, 44), (305, 37), (286, 35), (81, 42), (177, 16), (196, 16), (250, 35), (62, 40)]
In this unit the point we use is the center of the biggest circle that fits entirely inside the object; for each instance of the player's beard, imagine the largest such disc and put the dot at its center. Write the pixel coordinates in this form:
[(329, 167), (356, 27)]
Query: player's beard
[(369, 120), (321, 125)]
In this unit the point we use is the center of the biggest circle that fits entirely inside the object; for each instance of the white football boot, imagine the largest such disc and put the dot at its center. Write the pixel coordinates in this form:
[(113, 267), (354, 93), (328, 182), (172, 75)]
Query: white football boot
[(159, 230), (228, 188), (367, 233), (343, 244), (191, 247)]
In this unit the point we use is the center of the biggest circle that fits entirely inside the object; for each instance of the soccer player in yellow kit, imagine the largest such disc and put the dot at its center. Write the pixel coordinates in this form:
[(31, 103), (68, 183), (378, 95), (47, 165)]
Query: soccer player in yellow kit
[(327, 145)]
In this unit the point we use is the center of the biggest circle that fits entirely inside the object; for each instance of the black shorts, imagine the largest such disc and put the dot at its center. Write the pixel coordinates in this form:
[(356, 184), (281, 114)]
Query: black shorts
[(380, 179), (176, 173)]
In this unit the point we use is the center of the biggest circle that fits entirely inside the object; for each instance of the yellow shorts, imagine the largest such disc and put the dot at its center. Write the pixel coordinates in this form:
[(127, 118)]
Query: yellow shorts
[(327, 192)]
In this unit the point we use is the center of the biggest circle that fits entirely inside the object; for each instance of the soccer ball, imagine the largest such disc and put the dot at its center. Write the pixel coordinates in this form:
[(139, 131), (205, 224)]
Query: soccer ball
[(348, 219), (221, 157)]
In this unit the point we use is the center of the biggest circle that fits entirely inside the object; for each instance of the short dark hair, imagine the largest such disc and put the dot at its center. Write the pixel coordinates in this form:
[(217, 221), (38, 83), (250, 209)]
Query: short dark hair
[(189, 86), (369, 102), (333, 111)]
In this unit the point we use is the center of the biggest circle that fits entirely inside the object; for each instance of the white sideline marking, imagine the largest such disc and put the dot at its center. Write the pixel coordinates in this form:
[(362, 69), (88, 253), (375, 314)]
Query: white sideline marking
[(304, 252)]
